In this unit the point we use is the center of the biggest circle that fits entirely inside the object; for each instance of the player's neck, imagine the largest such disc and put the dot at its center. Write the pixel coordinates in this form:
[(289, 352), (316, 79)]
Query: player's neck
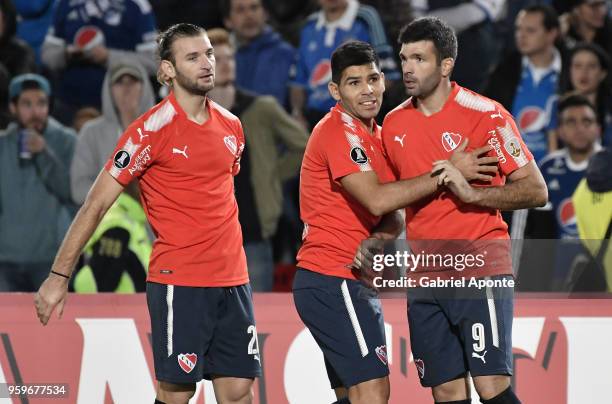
[(434, 101), (224, 95), (368, 124), (193, 105)]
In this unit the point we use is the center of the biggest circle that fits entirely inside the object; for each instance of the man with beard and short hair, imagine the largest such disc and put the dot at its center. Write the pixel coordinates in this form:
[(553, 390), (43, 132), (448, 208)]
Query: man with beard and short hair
[(35, 155), (184, 152), (451, 334)]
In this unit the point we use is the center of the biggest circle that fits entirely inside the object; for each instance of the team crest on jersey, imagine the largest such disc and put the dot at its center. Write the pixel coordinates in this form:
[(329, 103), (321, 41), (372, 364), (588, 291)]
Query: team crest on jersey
[(122, 159), (512, 146), (420, 365), (231, 143), (187, 362), (358, 155), (450, 141), (381, 352)]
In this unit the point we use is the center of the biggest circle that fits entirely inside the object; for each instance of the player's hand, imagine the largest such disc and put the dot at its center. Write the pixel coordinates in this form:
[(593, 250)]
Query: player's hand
[(452, 178), (471, 165), (51, 294), (364, 259)]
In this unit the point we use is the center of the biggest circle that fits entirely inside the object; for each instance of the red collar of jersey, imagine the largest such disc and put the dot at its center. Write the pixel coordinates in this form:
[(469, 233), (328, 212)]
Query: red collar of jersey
[(409, 104), (343, 116)]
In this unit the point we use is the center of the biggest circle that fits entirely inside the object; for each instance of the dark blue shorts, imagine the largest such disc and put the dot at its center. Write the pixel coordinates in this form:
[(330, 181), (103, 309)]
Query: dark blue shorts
[(200, 332), (346, 321), (453, 331)]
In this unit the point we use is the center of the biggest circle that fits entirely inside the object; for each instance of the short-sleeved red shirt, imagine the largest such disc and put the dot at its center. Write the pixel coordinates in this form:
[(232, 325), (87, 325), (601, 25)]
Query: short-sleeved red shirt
[(334, 222), (413, 141), (187, 189)]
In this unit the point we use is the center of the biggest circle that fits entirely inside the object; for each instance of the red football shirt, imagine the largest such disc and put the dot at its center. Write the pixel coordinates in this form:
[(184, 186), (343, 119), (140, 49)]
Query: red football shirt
[(187, 189), (413, 141), (334, 222)]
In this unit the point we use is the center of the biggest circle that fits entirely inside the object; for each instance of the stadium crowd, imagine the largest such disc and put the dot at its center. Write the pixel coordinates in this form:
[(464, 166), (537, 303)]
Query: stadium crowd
[(74, 74)]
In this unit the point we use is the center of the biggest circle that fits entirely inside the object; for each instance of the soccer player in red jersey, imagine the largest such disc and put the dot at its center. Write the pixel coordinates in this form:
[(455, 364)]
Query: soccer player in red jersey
[(184, 152), (453, 336), (344, 191)]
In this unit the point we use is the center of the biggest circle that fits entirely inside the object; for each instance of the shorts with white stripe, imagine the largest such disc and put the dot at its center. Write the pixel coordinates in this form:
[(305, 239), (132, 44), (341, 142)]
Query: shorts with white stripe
[(199, 332), (346, 321), (456, 330)]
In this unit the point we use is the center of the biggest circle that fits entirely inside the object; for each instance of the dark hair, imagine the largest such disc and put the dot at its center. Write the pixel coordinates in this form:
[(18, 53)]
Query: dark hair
[(431, 29), (352, 53), (574, 100), (167, 38), (27, 85), (550, 18), (602, 56)]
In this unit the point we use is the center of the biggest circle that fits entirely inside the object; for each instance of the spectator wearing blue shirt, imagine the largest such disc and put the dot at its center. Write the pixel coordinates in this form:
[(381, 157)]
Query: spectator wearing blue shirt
[(86, 37), (263, 58), (35, 17), (526, 82), (336, 22)]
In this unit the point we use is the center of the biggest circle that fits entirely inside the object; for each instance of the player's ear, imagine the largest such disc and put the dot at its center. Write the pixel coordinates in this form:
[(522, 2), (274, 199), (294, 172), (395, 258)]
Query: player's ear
[(334, 90), (447, 66), (167, 68)]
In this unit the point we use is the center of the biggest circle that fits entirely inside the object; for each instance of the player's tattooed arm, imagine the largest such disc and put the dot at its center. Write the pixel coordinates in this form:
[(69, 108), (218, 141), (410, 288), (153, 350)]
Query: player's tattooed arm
[(525, 188)]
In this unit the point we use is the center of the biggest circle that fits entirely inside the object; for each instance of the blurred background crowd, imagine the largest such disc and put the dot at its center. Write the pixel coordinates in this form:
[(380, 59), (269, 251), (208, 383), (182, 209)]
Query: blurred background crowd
[(75, 73)]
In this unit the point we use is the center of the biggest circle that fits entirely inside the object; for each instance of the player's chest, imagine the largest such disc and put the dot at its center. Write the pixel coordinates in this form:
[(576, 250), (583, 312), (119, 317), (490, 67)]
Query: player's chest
[(200, 153)]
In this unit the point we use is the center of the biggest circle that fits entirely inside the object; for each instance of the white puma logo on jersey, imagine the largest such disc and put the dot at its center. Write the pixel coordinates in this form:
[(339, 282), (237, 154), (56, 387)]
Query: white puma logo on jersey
[(482, 357), (179, 151), (497, 114), (400, 140), (141, 135)]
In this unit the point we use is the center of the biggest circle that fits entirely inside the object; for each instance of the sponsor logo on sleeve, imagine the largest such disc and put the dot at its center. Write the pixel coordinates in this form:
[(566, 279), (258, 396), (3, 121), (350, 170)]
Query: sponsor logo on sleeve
[(494, 142), (141, 160)]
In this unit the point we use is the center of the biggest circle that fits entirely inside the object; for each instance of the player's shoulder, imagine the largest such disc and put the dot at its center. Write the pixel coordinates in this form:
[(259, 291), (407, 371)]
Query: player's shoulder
[(158, 118), (399, 113), (223, 113), (477, 104)]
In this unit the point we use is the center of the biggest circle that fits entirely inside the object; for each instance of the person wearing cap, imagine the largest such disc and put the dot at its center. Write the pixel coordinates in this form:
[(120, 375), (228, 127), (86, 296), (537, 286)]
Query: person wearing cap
[(126, 94), (593, 206), (35, 156)]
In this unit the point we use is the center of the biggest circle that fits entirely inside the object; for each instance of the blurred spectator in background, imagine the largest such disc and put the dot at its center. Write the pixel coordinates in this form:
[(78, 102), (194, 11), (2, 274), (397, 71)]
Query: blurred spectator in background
[(288, 17), (474, 23), (86, 38), (394, 14), (526, 82), (35, 155), (588, 21), (33, 22), (563, 169), (588, 75), (205, 13), (593, 204), (117, 254), (83, 116), (267, 127), (263, 58), (126, 94), (5, 115), (15, 54), (337, 22)]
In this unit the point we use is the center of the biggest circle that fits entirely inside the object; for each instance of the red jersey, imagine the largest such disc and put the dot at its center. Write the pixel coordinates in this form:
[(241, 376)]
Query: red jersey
[(334, 222), (413, 141), (187, 190)]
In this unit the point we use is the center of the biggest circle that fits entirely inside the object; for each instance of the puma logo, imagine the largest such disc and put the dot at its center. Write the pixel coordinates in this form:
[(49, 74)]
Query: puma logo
[(497, 115), (141, 135), (400, 140), (481, 357), (179, 151)]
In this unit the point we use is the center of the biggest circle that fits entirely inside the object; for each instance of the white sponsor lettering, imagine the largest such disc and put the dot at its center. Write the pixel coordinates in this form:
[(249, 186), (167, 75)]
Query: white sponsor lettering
[(141, 160)]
